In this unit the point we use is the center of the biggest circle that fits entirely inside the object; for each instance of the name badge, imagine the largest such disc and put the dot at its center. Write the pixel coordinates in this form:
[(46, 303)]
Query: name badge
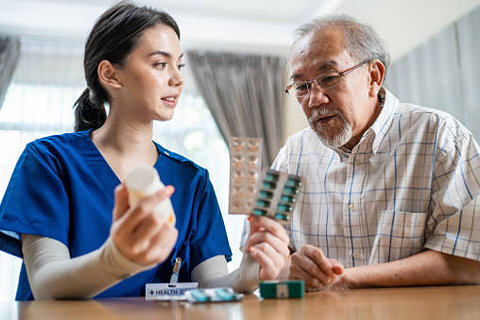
[(168, 291)]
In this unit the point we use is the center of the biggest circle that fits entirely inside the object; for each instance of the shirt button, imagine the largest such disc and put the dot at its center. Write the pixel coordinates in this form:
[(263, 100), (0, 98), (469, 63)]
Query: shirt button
[(351, 206)]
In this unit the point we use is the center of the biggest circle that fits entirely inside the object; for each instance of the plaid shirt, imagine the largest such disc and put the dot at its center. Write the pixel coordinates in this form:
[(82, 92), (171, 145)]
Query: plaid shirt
[(412, 183)]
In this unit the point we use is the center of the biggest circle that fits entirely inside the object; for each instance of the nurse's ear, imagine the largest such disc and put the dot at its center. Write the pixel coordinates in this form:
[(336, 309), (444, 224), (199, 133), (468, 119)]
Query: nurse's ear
[(108, 75)]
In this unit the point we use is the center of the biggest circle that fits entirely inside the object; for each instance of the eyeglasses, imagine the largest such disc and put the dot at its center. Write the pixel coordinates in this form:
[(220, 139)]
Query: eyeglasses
[(325, 80)]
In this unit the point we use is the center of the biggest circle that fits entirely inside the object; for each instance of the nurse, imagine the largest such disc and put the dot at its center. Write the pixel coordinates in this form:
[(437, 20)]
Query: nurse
[(61, 195)]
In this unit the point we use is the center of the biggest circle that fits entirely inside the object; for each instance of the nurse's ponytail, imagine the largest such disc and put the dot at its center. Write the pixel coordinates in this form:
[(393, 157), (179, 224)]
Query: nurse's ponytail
[(112, 38), (89, 113)]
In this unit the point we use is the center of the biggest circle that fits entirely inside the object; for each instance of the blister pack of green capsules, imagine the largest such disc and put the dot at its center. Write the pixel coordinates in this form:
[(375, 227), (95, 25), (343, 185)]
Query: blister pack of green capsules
[(277, 195), (213, 295), (282, 289), (271, 193)]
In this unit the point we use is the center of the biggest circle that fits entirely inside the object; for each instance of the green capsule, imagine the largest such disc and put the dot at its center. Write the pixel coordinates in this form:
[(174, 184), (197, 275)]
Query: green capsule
[(271, 177), (268, 185), (293, 182), (259, 212), (281, 216), (287, 199), (284, 208), (265, 194), (290, 191), (263, 203)]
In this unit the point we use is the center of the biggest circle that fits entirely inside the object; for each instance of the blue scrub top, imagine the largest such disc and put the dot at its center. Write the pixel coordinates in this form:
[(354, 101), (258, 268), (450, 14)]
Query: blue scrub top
[(63, 188)]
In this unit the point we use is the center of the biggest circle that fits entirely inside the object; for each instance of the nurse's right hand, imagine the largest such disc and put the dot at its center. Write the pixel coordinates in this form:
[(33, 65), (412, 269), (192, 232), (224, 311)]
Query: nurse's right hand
[(138, 233)]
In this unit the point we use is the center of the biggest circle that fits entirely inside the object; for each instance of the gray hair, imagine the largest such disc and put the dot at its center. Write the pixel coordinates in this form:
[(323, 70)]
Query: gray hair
[(362, 41)]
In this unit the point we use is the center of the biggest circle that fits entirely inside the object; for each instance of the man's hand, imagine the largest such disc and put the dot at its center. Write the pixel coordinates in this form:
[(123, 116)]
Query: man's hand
[(318, 272)]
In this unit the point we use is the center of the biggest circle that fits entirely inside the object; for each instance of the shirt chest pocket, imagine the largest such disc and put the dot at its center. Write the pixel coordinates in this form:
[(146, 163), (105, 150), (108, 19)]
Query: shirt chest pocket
[(400, 234)]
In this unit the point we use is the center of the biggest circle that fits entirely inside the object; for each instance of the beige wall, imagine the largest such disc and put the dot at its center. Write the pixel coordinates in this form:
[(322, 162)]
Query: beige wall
[(294, 119), (389, 19), (406, 24)]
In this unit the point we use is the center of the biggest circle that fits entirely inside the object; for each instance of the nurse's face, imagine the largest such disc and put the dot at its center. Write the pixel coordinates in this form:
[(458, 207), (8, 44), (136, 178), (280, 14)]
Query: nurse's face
[(150, 77)]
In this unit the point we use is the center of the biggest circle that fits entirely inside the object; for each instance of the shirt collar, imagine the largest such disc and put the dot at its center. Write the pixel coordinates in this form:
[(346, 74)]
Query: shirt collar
[(379, 128), (381, 125)]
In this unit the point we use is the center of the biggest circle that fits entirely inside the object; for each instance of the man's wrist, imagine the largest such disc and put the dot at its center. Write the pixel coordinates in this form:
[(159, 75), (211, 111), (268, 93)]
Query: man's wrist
[(346, 281)]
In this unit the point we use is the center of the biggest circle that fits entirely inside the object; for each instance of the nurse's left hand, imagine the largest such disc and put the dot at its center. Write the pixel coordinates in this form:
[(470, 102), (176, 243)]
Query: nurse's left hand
[(268, 242)]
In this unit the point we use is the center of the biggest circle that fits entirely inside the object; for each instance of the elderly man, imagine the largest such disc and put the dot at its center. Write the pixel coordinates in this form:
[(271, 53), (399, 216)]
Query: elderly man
[(391, 189)]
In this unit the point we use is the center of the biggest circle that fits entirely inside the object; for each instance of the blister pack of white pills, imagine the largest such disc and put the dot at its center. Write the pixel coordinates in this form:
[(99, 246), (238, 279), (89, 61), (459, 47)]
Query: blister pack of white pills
[(245, 166)]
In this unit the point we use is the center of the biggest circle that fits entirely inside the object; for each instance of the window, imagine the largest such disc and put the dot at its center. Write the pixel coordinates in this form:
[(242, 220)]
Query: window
[(48, 80)]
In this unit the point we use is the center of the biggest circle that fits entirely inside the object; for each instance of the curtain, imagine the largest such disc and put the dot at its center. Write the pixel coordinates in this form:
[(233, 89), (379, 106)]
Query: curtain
[(444, 72), (244, 94), (47, 80), (9, 53)]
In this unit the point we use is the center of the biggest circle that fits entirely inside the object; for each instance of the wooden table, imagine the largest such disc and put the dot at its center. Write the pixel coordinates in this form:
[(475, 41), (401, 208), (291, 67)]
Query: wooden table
[(456, 302)]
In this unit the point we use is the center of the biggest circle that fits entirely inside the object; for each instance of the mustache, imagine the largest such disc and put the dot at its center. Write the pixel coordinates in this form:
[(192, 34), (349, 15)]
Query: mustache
[(316, 113)]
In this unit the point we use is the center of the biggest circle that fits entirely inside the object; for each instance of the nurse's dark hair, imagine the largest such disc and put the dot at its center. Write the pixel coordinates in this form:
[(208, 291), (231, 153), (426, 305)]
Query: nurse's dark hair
[(113, 37), (363, 43)]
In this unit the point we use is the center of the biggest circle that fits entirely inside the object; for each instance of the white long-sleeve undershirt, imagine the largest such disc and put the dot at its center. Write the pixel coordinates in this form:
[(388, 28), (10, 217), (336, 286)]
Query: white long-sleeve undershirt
[(53, 274)]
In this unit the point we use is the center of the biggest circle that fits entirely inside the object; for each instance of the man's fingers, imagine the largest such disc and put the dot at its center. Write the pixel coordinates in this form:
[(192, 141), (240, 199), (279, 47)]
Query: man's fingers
[(310, 267), (297, 273), (338, 270), (337, 267), (310, 263), (317, 256)]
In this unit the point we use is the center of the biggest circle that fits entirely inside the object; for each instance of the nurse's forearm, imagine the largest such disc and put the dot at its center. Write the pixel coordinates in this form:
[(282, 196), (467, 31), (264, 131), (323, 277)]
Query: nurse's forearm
[(54, 275), (213, 273)]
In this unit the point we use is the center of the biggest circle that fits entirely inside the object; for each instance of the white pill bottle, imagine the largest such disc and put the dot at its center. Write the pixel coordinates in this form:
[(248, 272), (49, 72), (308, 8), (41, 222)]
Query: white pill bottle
[(144, 181)]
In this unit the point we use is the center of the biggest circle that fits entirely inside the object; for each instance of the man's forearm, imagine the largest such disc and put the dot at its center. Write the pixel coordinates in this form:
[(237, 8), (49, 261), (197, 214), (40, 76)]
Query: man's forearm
[(426, 268)]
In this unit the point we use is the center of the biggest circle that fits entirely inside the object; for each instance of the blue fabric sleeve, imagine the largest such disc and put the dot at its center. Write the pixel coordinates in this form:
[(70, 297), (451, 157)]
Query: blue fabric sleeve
[(10, 245), (36, 201), (210, 239)]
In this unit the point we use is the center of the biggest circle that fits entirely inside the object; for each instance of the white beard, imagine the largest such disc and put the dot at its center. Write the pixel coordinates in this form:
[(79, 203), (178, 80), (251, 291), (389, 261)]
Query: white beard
[(338, 140)]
